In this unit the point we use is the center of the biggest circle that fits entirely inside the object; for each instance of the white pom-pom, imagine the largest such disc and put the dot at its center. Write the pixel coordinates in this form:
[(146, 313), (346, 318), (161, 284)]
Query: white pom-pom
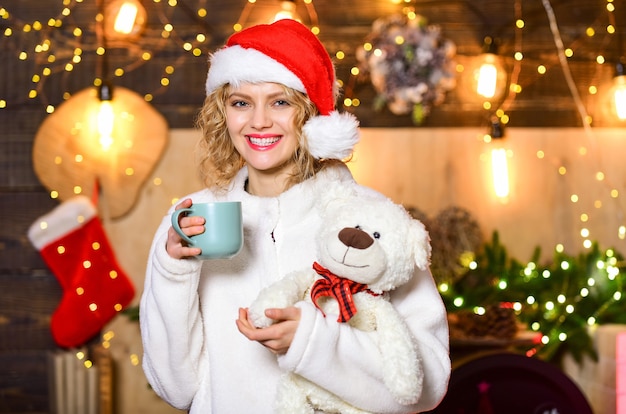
[(333, 135)]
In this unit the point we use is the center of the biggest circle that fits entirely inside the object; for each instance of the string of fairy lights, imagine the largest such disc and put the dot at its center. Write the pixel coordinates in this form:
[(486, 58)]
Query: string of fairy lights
[(60, 44), (590, 151)]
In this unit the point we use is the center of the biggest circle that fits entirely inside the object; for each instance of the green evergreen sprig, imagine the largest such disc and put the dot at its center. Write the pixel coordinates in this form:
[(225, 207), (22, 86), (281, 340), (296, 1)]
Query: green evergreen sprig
[(562, 300)]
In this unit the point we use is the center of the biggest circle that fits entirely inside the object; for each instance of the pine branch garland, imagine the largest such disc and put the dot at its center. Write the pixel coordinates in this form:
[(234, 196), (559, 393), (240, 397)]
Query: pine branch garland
[(561, 299)]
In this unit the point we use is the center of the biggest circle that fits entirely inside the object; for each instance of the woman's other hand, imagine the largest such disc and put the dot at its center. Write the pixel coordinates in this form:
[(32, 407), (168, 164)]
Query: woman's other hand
[(277, 337)]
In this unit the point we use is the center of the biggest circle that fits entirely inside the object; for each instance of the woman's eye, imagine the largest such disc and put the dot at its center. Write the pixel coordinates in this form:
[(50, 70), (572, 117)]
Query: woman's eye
[(238, 104), (281, 102)]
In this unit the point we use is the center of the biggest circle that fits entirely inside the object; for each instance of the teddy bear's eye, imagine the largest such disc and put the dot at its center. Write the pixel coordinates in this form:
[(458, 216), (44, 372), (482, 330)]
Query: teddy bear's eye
[(357, 227), (376, 235)]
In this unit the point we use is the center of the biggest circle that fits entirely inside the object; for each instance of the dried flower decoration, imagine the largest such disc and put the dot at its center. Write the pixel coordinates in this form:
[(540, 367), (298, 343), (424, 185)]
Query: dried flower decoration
[(409, 63)]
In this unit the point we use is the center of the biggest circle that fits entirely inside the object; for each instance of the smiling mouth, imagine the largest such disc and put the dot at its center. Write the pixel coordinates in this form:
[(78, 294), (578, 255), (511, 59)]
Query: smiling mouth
[(263, 141)]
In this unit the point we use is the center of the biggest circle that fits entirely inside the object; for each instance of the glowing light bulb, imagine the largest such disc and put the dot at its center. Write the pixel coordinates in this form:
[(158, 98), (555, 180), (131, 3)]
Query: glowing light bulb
[(105, 124), (125, 19), (106, 117), (287, 11), (487, 77), (500, 172), (619, 96), (499, 161)]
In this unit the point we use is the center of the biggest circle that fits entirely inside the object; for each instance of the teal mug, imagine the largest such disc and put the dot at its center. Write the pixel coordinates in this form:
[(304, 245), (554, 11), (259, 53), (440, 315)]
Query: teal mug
[(223, 229)]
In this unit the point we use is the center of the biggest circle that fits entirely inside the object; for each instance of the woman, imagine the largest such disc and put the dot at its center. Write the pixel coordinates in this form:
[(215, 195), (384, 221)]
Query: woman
[(272, 140)]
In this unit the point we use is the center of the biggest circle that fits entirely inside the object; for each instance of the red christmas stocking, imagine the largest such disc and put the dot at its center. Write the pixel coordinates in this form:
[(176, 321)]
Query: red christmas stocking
[(73, 243)]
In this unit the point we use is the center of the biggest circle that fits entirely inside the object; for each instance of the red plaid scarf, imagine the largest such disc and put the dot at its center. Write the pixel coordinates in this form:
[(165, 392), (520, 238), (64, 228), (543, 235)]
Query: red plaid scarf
[(339, 288)]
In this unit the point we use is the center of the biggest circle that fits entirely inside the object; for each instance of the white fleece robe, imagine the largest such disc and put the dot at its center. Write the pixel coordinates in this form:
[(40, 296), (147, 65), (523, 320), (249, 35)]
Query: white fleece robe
[(196, 359)]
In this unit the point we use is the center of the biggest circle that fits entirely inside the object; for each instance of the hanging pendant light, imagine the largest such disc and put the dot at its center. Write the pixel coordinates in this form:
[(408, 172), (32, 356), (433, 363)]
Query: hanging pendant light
[(500, 172), (106, 117), (124, 19), (499, 161), (618, 92), (489, 77), (287, 11)]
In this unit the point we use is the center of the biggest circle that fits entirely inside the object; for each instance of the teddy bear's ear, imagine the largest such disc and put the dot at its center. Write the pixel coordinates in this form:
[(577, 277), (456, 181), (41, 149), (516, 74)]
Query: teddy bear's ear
[(421, 244)]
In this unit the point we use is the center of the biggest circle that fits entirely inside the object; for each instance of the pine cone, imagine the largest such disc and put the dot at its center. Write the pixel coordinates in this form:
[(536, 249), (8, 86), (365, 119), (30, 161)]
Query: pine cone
[(497, 322), (501, 322)]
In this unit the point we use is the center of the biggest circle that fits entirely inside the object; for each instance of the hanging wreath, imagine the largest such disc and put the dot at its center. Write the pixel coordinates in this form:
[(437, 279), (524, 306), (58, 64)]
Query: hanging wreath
[(409, 63)]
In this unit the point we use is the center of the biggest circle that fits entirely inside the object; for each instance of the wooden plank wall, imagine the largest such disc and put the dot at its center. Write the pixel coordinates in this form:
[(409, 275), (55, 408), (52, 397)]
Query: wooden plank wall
[(29, 293)]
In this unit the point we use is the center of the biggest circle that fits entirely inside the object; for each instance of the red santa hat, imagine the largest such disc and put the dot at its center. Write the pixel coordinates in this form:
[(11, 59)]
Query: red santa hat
[(287, 52)]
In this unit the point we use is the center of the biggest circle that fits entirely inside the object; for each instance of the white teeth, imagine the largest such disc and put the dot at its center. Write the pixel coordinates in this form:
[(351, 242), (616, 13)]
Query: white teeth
[(263, 142)]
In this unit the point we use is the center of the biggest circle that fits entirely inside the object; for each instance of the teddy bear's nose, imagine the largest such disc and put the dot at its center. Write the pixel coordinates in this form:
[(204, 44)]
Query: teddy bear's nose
[(356, 238)]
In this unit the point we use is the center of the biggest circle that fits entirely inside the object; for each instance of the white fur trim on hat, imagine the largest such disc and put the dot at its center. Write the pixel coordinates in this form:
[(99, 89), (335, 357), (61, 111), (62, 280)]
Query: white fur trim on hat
[(333, 135), (65, 218), (235, 64)]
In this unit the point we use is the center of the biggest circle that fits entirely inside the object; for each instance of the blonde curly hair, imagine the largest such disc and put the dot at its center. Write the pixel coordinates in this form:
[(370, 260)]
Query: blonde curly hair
[(218, 159)]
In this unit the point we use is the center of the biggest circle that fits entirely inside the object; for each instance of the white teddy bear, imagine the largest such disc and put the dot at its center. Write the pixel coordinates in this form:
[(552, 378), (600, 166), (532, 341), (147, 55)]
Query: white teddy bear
[(372, 245)]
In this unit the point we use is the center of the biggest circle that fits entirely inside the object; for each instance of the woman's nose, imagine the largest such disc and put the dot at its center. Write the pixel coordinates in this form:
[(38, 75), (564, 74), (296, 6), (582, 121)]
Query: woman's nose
[(261, 117)]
